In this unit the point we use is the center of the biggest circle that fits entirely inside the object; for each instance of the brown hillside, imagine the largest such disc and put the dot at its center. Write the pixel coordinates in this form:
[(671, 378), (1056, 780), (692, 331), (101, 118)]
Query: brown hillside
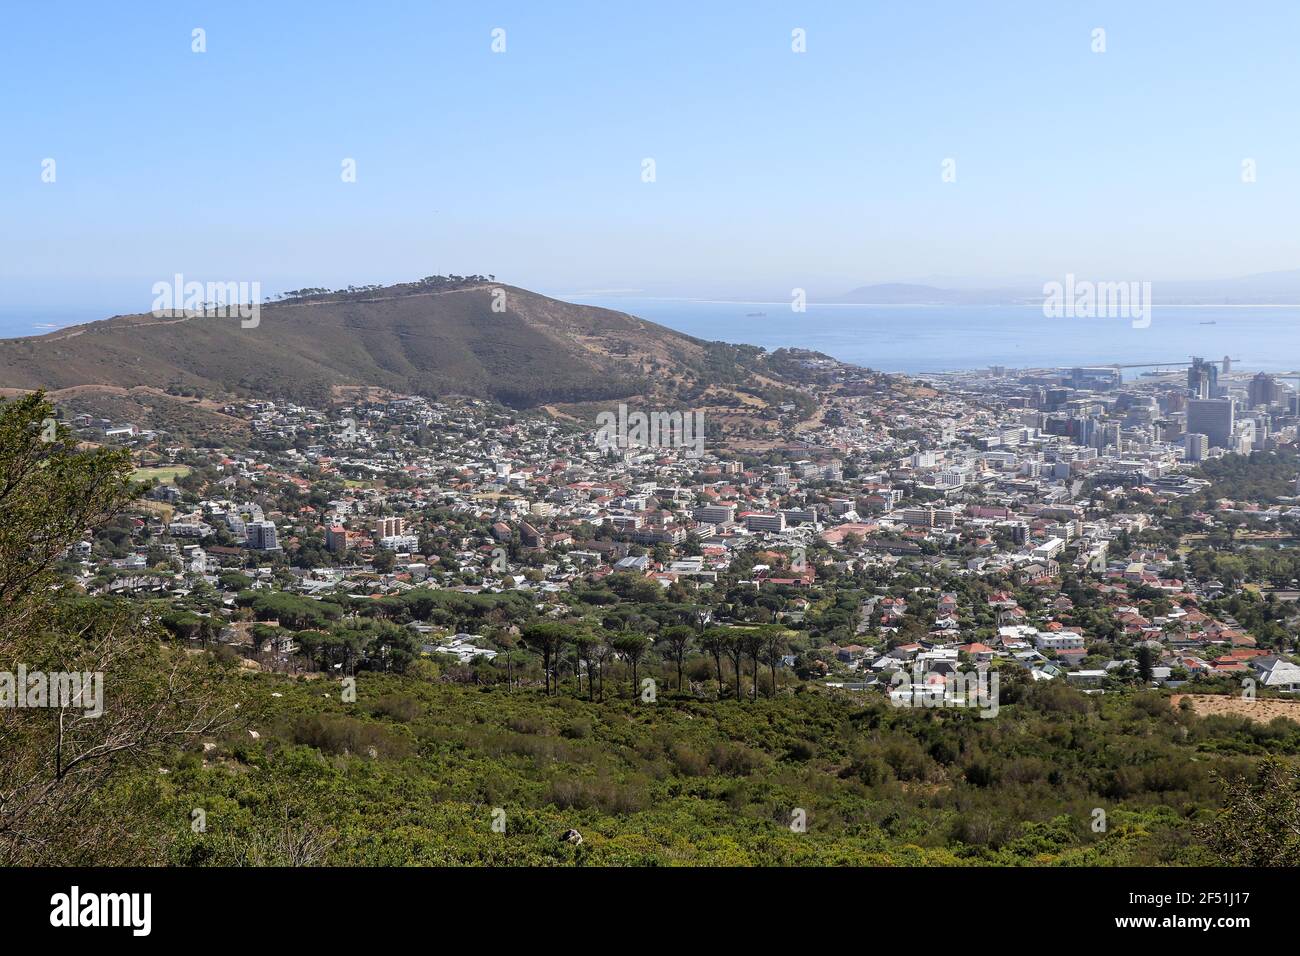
[(539, 350)]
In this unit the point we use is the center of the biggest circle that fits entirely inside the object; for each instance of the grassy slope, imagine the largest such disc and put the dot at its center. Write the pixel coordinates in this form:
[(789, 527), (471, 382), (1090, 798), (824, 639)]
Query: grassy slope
[(539, 350), (687, 782)]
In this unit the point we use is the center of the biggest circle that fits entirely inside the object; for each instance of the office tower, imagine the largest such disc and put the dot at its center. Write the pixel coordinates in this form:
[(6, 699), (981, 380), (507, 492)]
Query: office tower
[(1196, 446), (714, 514), (1202, 379), (756, 521), (1263, 390), (1213, 418), (1263, 427), (1243, 436)]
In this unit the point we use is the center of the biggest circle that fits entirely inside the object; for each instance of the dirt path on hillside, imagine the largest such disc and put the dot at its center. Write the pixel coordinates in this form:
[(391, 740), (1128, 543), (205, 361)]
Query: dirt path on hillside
[(1205, 705)]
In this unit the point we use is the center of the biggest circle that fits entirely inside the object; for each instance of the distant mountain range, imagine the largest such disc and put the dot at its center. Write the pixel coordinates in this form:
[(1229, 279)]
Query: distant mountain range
[(1266, 288), (901, 293)]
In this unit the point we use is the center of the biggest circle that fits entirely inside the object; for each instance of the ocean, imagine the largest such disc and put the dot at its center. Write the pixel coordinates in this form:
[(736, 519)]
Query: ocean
[(945, 338), (924, 338), (15, 322)]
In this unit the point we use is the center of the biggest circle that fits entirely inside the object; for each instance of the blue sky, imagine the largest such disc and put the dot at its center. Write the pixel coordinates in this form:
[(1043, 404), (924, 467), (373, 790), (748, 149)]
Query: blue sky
[(774, 169)]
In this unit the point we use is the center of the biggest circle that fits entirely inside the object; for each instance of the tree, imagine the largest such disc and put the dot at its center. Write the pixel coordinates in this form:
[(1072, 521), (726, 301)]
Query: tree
[(583, 644), (385, 645), (1260, 822), (632, 647), (678, 639), (714, 642), (60, 757), (1145, 661), (752, 642), (505, 639), (546, 638), (260, 634), (733, 645), (774, 646), (601, 651), (313, 645)]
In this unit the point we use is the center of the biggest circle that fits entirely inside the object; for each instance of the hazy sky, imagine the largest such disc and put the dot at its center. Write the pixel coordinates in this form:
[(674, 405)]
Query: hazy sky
[(773, 168)]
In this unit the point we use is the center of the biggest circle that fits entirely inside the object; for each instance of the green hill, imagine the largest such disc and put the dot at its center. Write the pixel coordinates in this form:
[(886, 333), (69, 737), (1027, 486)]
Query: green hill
[(434, 337)]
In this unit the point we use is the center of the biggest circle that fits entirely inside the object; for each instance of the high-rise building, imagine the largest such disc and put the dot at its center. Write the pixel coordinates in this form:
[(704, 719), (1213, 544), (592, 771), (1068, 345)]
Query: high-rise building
[(262, 536), (1202, 379), (1263, 390), (1196, 445), (1243, 437), (756, 521), (389, 527), (714, 514), (336, 539), (1213, 418)]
